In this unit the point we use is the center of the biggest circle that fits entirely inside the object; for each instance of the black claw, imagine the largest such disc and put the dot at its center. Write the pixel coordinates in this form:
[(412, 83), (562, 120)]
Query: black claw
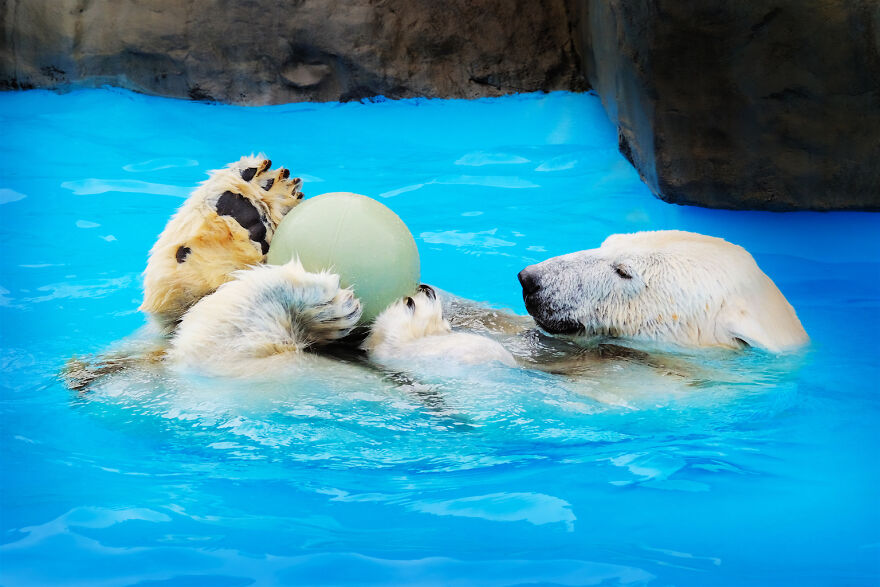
[(285, 174), (410, 303), (267, 163), (249, 173), (429, 291)]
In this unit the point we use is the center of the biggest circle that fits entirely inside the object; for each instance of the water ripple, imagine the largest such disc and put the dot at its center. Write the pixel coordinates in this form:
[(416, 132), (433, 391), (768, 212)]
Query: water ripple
[(92, 186)]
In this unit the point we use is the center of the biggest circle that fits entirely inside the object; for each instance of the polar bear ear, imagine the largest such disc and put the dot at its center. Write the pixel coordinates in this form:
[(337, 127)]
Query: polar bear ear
[(741, 326)]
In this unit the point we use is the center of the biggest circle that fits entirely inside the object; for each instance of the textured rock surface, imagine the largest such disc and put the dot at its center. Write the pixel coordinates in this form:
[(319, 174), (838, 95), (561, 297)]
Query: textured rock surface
[(271, 51), (747, 104), (763, 104)]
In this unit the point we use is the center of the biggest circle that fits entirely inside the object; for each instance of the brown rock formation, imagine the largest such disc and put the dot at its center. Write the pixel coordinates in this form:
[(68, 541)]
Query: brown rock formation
[(270, 51), (723, 103), (742, 104)]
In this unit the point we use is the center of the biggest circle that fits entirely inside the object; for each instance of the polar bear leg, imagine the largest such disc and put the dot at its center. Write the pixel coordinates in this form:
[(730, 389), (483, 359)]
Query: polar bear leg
[(265, 311), (225, 225)]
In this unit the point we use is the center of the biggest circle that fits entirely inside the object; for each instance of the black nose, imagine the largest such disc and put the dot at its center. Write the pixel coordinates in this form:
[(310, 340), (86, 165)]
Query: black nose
[(528, 280)]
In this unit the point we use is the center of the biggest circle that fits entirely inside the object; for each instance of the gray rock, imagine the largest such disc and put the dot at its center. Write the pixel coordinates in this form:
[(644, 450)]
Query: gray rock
[(760, 104), (269, 51), (746, 104)]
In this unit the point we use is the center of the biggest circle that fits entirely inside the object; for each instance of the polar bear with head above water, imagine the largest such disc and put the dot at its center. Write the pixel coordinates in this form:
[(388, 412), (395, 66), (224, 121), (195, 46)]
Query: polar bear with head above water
[(664, 286)]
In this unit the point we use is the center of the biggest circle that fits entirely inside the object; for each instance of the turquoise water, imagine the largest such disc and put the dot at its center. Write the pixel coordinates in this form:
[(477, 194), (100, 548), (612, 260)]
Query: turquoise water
[(751, 469)]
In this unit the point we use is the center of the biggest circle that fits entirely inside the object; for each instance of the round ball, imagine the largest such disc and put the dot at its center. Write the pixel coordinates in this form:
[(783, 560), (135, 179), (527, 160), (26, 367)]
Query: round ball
[(362, 240)]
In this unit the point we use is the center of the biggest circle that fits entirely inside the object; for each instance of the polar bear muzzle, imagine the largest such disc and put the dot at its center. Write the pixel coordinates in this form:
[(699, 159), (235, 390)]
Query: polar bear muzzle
[(545, 310)]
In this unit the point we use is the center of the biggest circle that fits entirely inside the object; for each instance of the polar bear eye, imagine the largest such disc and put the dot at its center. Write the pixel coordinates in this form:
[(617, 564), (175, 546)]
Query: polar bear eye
[(623, 273)]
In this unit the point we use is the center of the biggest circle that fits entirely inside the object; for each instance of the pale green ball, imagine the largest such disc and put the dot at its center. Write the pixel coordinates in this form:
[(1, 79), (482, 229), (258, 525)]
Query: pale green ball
[(363, 241)]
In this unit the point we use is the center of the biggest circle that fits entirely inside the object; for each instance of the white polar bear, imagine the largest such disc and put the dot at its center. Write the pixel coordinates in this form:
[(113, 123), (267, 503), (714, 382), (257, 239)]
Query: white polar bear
[(662, 286), (229, 314)]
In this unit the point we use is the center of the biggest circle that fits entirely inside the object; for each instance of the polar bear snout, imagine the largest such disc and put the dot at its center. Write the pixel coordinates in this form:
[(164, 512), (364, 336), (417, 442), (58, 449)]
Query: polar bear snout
[(528, 279), (541, 302)]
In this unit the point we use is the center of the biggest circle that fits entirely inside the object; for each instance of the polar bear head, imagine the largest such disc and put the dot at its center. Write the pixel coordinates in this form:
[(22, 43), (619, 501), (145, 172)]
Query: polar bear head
[(663, 286)]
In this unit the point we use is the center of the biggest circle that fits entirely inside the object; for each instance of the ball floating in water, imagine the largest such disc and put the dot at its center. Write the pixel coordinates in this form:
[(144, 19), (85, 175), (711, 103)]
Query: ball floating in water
[(362, 240)]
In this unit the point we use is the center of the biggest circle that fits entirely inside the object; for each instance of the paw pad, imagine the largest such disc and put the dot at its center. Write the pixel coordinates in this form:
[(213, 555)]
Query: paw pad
[(182, 252), (246, 214)]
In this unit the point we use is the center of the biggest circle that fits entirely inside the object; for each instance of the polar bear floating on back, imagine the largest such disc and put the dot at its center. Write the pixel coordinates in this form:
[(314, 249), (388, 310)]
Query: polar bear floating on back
[(662, 287), (228, 313)]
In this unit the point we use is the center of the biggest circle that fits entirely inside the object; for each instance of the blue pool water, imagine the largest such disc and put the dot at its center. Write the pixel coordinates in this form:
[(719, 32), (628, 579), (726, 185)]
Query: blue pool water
[(761, 471)]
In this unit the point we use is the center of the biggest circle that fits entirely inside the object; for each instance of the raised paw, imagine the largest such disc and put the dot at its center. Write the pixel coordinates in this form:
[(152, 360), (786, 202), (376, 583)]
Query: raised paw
[(407, 320), (413, 329), (282, 192), (334, 319), (225, 225)]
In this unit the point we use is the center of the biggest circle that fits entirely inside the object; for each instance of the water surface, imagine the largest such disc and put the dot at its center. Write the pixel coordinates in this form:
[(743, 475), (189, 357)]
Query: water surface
[(764, 473)]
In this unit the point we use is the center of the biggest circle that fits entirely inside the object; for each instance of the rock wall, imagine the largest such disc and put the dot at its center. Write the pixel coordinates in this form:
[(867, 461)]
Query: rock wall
[(277, 51), (760, 104), (752, 104)]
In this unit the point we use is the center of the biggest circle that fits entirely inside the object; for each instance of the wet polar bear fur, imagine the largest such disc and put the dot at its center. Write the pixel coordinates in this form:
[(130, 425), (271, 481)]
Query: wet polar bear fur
[(225, 225), (268, 311), (230, 314), (665, 287), (267, 315), (413, 329)]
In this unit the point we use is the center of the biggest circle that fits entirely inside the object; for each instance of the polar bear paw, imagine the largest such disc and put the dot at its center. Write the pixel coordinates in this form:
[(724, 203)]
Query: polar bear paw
[(282, 191), (414, 329), (264, 311), (225, 225), (325, 312), (405, 321)]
